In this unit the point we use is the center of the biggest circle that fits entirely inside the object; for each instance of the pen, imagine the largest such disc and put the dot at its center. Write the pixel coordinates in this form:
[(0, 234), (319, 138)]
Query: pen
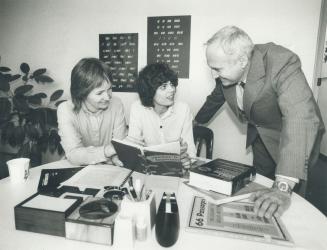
[(131, 187), (126, 178)]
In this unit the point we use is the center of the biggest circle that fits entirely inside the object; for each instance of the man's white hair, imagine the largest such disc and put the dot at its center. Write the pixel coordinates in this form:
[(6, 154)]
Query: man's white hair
[(233, 41)]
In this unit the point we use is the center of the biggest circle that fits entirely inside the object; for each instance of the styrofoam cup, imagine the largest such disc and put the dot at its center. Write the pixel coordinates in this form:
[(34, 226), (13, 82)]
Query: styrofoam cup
[(18, 169)]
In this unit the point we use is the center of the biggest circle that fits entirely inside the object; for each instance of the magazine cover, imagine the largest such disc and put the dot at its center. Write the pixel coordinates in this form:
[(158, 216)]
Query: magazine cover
[(238, 220)]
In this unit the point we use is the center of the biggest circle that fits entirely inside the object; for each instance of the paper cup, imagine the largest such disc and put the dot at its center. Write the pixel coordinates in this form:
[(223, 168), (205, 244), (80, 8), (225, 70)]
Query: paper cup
[(18, 169)]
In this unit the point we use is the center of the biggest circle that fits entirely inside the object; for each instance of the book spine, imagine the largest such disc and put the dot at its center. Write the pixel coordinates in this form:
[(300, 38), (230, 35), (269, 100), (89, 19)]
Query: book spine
[(242, 180)]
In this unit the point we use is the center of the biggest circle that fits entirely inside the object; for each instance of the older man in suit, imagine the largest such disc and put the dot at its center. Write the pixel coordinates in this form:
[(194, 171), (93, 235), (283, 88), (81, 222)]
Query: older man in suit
[(265, 87)]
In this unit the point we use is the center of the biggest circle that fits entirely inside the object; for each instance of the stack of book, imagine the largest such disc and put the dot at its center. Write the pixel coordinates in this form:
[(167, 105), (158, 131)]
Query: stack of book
[(222, 176)]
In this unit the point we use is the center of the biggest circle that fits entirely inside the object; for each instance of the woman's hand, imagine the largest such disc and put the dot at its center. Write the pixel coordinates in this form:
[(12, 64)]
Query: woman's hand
[(115, 161), (185, 159)]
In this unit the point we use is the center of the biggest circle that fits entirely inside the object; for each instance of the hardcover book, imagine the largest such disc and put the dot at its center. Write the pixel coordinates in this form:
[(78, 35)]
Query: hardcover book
[(236, 220), (163, 159), (222, 176)]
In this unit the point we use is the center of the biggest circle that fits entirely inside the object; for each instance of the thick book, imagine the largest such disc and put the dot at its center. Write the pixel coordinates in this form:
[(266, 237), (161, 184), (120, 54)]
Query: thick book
[(163, 159), (236, 220), (222, 176)]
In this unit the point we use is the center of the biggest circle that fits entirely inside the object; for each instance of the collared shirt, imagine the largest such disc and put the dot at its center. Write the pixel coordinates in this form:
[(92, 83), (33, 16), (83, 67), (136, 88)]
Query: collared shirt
[(84, 134), (148, 128), (239, 95)]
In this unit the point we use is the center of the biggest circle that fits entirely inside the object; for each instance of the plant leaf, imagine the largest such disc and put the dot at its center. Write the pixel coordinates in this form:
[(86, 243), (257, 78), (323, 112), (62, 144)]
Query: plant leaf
[(4, 86), (51, 115), (14, 77), (23, 89), (39, 72), (20, 103), (25, 68), (34, 99), (43, 79), (4, 82), (19, 134), (56, 95), (41, 95), (57, 103), (5, 109), (4, 69)]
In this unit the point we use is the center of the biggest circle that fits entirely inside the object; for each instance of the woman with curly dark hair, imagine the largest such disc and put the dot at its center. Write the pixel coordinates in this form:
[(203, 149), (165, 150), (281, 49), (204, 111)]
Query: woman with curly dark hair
[(157, 118)]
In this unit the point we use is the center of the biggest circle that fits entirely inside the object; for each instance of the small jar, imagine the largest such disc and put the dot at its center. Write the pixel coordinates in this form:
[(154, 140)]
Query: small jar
[(141, 228)]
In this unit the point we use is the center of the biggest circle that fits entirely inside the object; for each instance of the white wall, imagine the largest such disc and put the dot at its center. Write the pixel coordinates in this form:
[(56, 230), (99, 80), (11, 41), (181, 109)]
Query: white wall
[(56, 33)]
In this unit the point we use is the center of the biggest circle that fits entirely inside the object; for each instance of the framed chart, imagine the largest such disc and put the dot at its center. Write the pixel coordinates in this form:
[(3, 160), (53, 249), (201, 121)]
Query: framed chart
[(169, 41), (120, 52)]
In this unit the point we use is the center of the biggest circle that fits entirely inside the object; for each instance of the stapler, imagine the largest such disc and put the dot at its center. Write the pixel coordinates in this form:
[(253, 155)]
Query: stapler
[(167, 221)]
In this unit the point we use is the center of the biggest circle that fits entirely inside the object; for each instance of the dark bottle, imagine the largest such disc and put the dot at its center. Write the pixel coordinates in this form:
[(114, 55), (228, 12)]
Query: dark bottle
[(167, 221)]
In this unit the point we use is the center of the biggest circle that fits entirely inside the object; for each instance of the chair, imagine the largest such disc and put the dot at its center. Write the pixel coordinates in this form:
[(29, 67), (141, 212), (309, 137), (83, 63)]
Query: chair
[(203, 135)]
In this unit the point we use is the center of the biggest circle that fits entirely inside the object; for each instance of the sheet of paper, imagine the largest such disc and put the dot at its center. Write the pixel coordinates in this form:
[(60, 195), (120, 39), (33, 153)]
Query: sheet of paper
[(97, 176), (49, 203)]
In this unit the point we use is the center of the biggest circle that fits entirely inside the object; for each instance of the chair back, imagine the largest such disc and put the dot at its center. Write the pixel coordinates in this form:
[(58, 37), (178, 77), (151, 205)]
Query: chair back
[(203, 135)]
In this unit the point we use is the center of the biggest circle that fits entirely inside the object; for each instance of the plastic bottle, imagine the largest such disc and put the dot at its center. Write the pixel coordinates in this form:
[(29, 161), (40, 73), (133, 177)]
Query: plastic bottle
[(141, 228)]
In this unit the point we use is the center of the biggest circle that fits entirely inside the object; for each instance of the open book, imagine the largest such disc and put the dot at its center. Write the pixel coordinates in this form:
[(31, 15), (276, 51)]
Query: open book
[(163, 159)]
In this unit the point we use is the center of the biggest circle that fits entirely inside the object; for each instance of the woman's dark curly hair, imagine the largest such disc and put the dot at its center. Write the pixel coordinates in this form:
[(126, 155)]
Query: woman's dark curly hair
[(150, 78), (88, 74)]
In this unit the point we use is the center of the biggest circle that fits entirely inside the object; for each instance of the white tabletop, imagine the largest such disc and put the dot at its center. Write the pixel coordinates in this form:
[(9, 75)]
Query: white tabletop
[(306, 225)]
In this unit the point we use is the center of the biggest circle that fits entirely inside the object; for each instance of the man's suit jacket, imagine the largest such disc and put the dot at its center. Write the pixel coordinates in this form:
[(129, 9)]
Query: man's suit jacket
[(279, 102)]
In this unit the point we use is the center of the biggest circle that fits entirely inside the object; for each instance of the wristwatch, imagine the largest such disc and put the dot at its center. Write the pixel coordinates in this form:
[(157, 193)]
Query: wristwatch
[(282, 186)]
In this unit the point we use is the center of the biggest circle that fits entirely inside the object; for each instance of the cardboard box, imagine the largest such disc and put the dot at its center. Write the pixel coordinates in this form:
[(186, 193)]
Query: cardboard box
[(44, 214)]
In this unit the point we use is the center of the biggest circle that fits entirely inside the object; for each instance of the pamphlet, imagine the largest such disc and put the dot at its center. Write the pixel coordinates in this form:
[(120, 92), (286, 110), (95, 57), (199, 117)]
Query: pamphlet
[(238, 220)]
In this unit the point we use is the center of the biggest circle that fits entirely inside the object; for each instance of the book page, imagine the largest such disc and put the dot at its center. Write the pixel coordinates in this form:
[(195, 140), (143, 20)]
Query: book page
[(128, 141), (97, 176), (171, 147), (49, 203)]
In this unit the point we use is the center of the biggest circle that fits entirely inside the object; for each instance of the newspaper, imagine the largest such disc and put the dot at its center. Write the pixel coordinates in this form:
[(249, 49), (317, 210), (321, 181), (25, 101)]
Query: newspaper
[(238, 220)]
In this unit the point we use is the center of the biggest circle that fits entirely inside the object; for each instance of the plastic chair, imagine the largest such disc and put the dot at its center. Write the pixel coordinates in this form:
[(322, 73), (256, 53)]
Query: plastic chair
[(203, 135)]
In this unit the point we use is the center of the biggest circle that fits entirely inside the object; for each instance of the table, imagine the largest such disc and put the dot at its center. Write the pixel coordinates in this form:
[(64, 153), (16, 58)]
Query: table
[(306, 225)]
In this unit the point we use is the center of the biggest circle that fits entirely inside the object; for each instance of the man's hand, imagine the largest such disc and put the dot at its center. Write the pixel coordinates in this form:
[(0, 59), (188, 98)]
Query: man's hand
[(270, 202), (185, 159)]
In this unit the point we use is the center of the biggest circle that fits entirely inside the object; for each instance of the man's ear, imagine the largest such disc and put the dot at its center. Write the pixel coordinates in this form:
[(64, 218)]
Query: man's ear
[(243, 61)]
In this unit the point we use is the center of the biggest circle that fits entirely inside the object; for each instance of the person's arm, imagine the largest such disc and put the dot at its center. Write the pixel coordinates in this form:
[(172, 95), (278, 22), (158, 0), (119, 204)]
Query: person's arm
[(119, 132), (300, 120), (71, 139), (212, 104), (187, 141), (187, 132), (120, 127), (300, 125), (135, 127)]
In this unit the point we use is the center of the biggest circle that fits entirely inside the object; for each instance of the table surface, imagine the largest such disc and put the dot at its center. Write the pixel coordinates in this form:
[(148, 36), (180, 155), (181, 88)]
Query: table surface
[(306, 224)]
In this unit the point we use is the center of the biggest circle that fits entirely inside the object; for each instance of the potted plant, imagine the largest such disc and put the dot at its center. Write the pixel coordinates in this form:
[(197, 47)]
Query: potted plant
[(28, 120)]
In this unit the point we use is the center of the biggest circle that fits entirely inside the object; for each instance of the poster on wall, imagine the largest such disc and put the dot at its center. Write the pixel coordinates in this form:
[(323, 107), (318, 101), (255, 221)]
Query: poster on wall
[(120, 52), (169, 41)]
